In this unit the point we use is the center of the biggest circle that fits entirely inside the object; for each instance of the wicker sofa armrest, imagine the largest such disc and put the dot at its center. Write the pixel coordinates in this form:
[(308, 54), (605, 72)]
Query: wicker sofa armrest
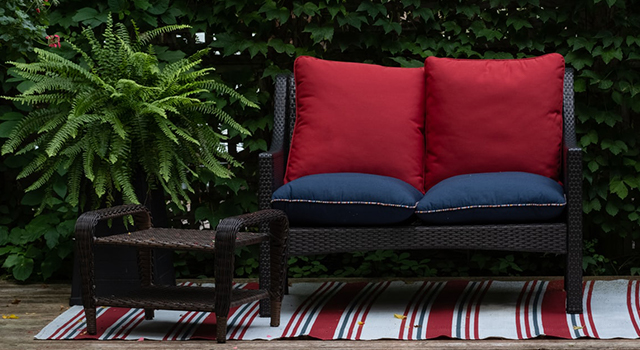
[(87, 222), (271, 169), (272, 162)]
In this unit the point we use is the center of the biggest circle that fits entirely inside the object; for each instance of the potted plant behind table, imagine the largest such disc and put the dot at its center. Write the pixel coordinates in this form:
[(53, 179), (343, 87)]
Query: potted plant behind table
[(116, 117)]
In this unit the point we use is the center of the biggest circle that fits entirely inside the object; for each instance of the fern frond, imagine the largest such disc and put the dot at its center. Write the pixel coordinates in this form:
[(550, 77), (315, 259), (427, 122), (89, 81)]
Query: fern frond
[(74, 176), (88, 156), (100, 182), (67, 131), (210, 108), (37, 99), (119, 149), (218, 87), (164, 159), (44, 178), (35, 165), (122, 181), (146, 37), (171, 71), (165, 127), (88, 60), (54, 121), (25, 127), (51, 84)]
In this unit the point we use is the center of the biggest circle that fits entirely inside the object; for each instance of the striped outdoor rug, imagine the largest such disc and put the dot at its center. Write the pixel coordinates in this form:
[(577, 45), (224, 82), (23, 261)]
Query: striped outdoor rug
[(390, 310)]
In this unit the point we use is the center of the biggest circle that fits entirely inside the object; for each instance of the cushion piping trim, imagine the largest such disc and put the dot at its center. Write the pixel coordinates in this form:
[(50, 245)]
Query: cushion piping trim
[(482, 206), (345, 202)]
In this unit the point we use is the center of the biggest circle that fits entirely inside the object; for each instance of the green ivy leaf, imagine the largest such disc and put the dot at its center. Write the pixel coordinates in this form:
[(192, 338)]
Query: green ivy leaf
[(407, 3), (141, 4), (51, 238), (619, 188), (6, 128), (319, 33), (404, 62), (84, 14), (23, 268), (388, 26), (372, 9), (273, 70), (579, 60), (4, 235), (15, 116), (50, 265), (12, 260), (612, 209), (423, 12), (117, 5), (353, 19), (309, 9), (203, 213), (518, 23), (159, 7)]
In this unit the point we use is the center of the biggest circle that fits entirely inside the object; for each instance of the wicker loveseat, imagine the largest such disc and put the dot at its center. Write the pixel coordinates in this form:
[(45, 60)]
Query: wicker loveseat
[(479, 93)]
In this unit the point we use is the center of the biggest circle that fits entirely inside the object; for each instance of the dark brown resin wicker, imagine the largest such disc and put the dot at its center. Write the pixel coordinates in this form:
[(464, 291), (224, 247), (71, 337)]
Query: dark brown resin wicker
[(222, 242), (562, 237)]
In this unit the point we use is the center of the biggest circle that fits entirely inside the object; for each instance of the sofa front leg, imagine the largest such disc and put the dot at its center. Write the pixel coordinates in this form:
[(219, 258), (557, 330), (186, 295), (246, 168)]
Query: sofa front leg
[(573, 281)]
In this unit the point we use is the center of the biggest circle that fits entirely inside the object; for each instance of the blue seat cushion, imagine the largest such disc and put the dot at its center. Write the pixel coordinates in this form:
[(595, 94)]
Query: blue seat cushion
[(346, 199), (492, 198)]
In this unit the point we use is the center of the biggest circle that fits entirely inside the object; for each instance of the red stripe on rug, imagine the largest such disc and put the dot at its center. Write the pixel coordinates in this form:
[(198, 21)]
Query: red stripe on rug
[(585, 329), (133, 326), (175, 326), (470, 308), (298, 315), (354, 321), (519, 310), (63, 329), (527, 324), (125, 327), (476, 319), (441, 315), (554, 317), (107, 319), (325, 324), (246, 321), (588, 310), (416, 300), (368, 308), (208, 328), (184, 325), (630, 299)]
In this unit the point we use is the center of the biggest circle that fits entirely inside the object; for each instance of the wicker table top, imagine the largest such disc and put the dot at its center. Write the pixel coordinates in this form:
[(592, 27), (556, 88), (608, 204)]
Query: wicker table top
[(178, 239)]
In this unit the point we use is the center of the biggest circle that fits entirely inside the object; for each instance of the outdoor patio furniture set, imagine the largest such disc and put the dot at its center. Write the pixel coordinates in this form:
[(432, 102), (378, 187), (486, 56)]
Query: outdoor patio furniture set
[(458, 154)]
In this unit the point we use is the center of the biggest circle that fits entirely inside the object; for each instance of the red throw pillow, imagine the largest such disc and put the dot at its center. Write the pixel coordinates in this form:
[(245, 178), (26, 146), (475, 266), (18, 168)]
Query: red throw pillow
[(493, 115), (358, 118)]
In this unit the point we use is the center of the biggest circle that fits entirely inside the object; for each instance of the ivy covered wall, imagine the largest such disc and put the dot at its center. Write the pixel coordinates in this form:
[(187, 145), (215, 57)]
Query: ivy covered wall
[(252, 41)]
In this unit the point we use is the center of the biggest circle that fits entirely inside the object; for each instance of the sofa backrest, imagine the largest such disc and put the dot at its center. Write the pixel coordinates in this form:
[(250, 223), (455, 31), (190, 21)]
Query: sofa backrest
[(493, 116), (286, 114), (358, 118)]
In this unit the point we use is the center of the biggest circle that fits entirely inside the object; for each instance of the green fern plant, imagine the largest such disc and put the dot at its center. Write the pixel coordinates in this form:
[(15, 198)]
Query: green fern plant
[(117, 110)]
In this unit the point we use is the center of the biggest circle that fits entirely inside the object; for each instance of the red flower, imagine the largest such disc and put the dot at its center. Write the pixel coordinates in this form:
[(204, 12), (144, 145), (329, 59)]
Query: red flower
[(54, 40)]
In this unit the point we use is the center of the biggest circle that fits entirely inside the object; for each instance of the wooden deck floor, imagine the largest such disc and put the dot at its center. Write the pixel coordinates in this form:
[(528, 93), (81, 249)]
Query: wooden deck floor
[(36, 305)]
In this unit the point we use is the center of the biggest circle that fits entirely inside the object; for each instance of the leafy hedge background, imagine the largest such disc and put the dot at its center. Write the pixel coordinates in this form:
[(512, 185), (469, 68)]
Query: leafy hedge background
[(252, 41)]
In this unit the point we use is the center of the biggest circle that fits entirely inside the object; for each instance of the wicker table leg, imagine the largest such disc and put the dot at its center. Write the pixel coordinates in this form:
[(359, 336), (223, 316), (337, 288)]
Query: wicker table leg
[(84, 247)]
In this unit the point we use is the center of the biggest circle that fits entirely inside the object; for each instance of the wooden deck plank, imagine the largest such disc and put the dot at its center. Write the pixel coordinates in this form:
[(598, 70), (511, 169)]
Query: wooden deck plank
[(38, 304)]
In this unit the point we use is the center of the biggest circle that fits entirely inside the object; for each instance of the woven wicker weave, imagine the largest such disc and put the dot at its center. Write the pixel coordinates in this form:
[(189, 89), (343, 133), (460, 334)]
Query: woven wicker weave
[(564, 237), (223, 242)]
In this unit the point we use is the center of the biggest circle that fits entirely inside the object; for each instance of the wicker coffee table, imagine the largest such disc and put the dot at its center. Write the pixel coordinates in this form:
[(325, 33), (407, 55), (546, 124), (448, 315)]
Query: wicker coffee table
[(221, 242)]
